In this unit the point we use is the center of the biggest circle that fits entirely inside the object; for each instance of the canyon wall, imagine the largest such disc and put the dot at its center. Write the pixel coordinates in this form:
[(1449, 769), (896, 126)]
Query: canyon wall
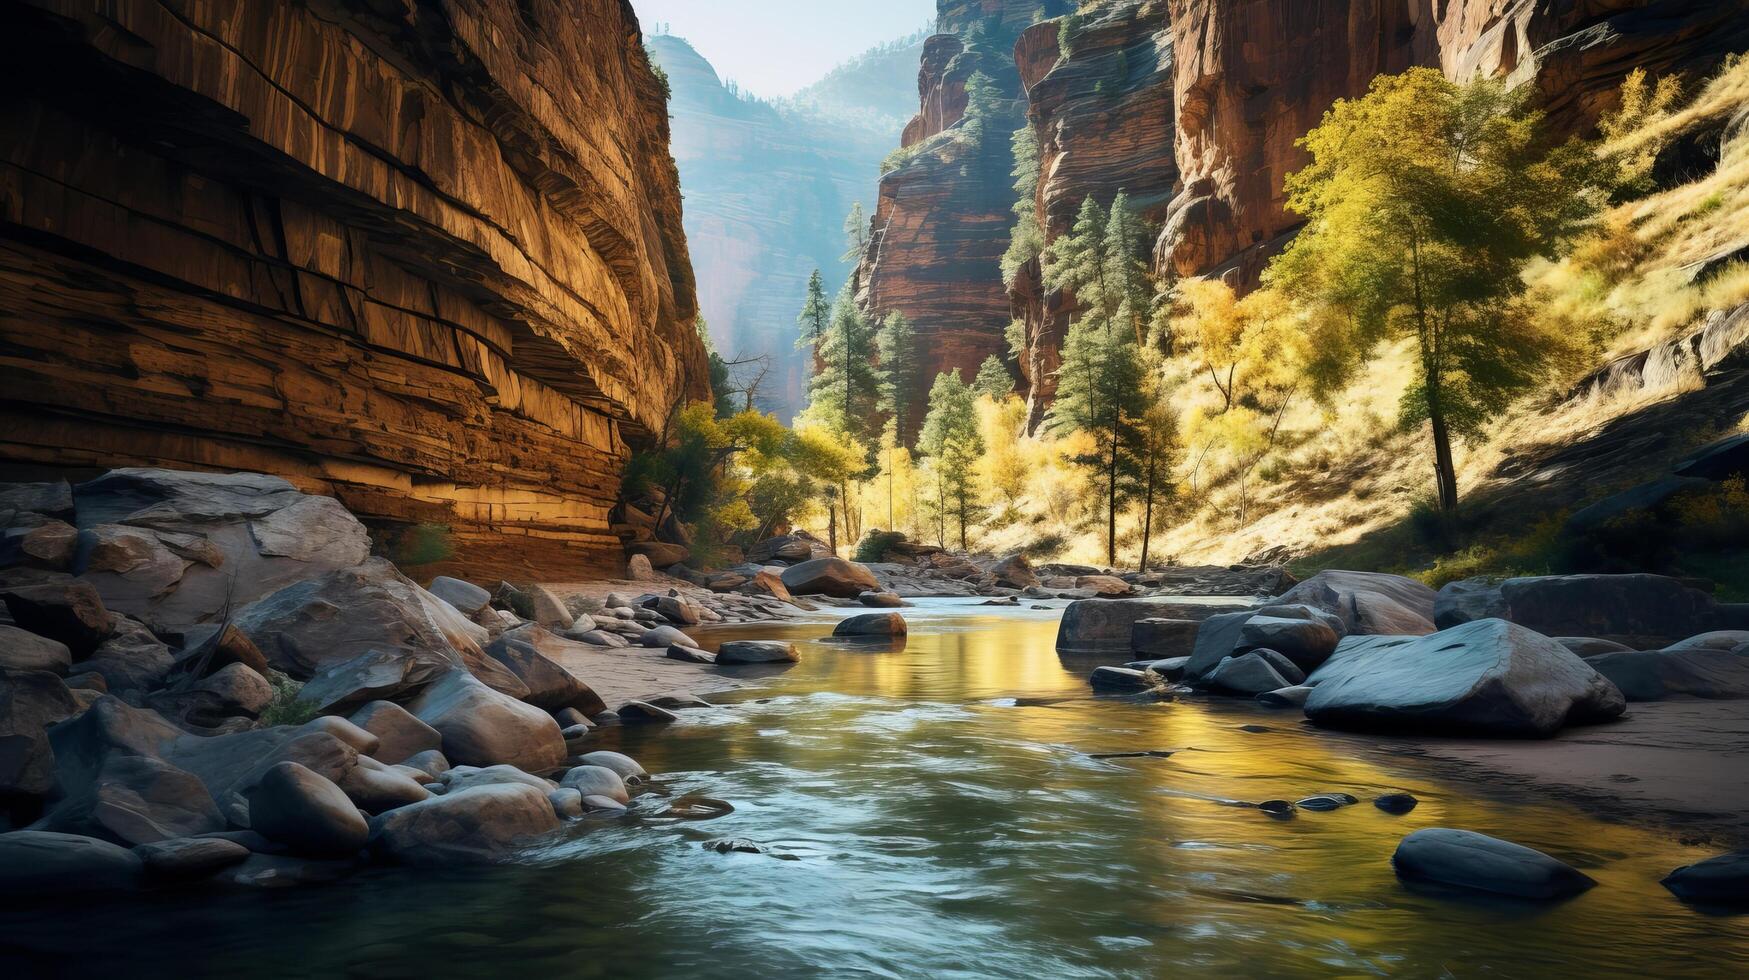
[(1254, 75), (942, 213), (1099, 100), (423, 255)]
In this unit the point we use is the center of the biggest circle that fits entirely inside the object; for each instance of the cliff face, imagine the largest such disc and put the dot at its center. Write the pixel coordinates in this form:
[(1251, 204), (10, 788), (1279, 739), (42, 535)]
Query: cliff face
[(1254, 75), (427, 258), (767, 189), (942, 216), (1103, 118)]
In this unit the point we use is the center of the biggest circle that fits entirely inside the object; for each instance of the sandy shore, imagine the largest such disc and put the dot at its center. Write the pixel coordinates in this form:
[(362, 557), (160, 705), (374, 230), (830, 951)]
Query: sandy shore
[(1677, 765)]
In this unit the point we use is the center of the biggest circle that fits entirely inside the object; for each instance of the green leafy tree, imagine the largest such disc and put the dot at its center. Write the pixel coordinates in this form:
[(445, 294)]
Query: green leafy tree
[(951, 443), (816, 313), (993, 379), (901, 377), (1424, 201)]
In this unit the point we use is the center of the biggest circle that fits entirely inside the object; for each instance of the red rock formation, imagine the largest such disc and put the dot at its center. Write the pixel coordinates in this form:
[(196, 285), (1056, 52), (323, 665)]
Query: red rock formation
[(424, 256), (1103, 117), (1254, 75), (941, 219)]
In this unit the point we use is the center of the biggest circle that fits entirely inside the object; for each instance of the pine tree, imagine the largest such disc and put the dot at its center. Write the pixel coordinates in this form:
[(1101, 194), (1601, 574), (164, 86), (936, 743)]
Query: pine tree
[(993, 379), (815, 315), (1127, 292), (1100, 392), (983, 100), (845, 392), (855, 234), (951, 441), (1077, 261), (1026, 239), (901, 376)]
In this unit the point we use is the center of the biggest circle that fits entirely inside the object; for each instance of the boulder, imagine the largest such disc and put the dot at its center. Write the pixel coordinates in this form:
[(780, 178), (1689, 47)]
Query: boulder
[(872, 624), (306, 812), (881, 600), (1161, 638), (1013, 572), (131, 659), (34, 541), (533, 654), (343, 614), (400, 736), (567, 803), (1368, 602), (627, 767), (549, 610), (1287, 697), (236, 536), (237, 690), (1306, 642), (483, 727), (35, 863), (829, 576), (1464, 859), (136, 799), (379, 790), (590, 780), (679, 609), (211, 647), (639, 569), (24, 650), (756, 652), (1653, 675), (1119, 679), (786, 549), (1590, 646), (1723, 880), (361, 741), (1104, 585), (69, 611), (30, 702), (189, 858), (691, 655), (431, 762), (1641, 611), (468, 598), (1490, 678), (50, 499), (767, 582), (1468, 600), (1104, 626), (476, 825), (468, 777), (665, 636), (1248, 674), (661, 554), (375, 675)]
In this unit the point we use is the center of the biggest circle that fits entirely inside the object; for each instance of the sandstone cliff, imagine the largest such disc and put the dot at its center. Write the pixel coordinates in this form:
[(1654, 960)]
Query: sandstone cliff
[(1099, 99), (941, 219), (1254, 75), (423, 255)]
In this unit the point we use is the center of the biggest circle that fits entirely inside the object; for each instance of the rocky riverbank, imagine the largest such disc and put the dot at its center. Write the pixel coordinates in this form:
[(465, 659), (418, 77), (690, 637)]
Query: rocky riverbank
[(208, 678)]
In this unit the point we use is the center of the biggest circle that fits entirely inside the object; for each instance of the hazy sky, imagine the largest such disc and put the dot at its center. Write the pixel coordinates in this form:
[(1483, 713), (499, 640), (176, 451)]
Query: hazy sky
[(774, 47)]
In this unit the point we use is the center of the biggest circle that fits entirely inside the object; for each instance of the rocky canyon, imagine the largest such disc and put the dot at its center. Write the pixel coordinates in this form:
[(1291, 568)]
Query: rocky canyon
[(426, 257)]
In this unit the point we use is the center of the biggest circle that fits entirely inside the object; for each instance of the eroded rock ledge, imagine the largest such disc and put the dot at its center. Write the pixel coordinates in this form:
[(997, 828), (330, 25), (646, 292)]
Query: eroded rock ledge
[(423, 256)]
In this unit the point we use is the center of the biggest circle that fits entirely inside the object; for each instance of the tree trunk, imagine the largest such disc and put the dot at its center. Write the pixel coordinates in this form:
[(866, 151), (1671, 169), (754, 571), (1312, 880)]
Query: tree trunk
[(1147, 513), (1444, 470), (1111, 505)]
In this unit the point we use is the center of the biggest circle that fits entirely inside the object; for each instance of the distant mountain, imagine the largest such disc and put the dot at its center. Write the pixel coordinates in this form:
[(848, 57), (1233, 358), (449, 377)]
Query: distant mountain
[(766, 186)]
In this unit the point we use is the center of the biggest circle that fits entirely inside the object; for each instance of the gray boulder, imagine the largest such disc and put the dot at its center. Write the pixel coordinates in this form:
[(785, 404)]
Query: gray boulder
[(1468, 600), (477, 825), (51, 499), (468, 777), (691, 655), (23, 650), (549, 610), (131, 659), (664, 636), (1723, 880), (306, 812), (468, 598), (483, 727), (625, 765), (643, 713), (829, 576), (1248, 674), (1464, 859), (1013, 572), (679, 609), (431, 762), (136, 800), (375, 675), (1161, 638), (1368, 602), (1104, 626), (400, 736), (38, 862), (1641, 611), (872, 624), (30, 702), (534, 655), (756, 652), (1305, 642), (591, 780), (1489, 677), (1108, 678), (1653, 675)]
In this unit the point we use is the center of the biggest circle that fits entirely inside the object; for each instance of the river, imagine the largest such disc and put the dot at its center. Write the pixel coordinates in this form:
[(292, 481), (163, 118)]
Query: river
[(937, 811)]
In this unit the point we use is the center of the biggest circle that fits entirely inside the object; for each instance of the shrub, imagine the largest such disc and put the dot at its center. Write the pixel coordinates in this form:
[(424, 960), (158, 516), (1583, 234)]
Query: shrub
[(873, 546), (1043, 548), (287, 708)]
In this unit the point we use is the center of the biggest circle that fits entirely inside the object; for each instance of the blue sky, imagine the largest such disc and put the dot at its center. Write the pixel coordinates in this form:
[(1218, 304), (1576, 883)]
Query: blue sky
[(774, 47)]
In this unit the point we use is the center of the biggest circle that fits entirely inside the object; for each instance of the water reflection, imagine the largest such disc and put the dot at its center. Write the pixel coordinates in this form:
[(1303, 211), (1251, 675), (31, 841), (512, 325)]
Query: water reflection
[(949, 819)]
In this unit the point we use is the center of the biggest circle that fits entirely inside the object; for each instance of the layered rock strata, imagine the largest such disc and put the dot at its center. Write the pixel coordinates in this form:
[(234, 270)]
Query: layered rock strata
[(425, 257)]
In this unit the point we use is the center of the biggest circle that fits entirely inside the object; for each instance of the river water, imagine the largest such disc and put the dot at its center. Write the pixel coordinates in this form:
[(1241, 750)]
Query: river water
[(936, 811)]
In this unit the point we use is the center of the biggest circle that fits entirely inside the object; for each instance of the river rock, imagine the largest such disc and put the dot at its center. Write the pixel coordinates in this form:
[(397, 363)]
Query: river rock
[(39, 862), (1161, 638), (643, 713), (131, 659), (871, 624), (1653, 675), (1464, 859), (136, 800), (1642, 611), (1468, 600), (881, 600), (603, 805), (23, 650), (52, 498), (549, 610), (1723, 880), (756, 652), (483, 727), (468, 598), (1217, 638), (1287, 697), (1368, 602), (594, 780), (379, 790), (663, 636), (679, 609), (1119, 679), (189, 858), (692, 655), (30, 702), (1396, 803), (431, 762), (375, 675), (306, 812), (1307, 643), (767, 582), (1104, 626), (1490, 678), (34, 541), (208, 648), (625, 765), (468, 777), (1013, 572), (400, 736), (68, 611), (1248, 674), (829, 576), (533, 654), (476, 825), (233, 691)]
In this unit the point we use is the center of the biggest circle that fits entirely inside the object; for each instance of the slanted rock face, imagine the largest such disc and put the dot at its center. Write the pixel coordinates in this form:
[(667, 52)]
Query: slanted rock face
[(430, 263)]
